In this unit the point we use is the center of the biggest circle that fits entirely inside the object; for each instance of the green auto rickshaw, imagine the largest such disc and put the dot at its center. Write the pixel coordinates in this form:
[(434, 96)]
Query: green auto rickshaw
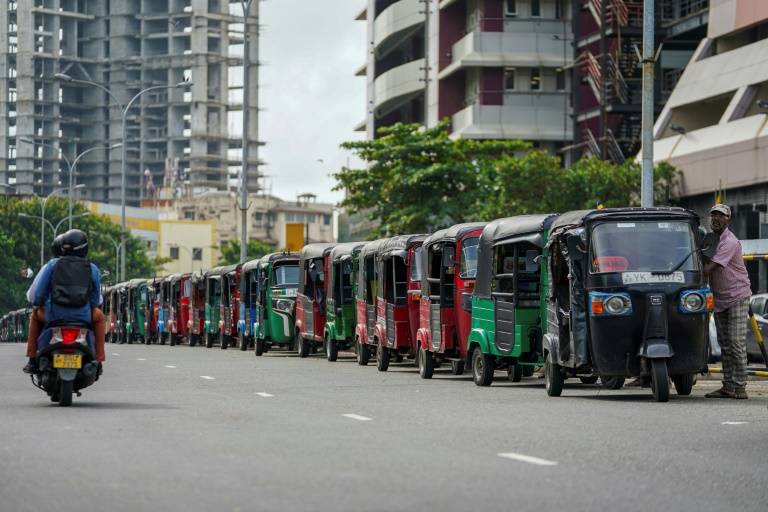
[(212, 301), (341, 319), (272, 313)]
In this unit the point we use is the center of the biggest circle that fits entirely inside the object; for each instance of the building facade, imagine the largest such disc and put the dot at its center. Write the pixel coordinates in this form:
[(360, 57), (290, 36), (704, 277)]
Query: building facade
[(175, 137)]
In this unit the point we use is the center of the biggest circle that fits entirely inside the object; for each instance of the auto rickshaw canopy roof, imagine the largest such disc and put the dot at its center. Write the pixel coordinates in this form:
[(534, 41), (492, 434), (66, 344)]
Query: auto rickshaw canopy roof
[(372, 248), (581, 217), (522, 228), (397, 244), (313, 251), (346, 249), (175, 278), (214, 272), (454, 232)]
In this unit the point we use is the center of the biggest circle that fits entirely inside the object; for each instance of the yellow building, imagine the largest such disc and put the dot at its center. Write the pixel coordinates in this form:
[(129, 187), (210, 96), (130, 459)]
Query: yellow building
[(190, 244)]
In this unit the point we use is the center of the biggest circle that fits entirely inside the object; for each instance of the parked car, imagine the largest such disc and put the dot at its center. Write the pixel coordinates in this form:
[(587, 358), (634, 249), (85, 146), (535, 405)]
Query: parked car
[(759, 304)]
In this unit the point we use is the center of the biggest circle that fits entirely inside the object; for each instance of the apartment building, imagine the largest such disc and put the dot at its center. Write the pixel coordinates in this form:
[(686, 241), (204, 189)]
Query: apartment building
[(180, 135), (494, 68)]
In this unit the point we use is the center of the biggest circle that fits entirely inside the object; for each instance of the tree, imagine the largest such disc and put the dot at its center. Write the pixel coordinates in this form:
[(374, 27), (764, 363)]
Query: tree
[(254, 249), (23, 235), (419, 180), (14, 284)]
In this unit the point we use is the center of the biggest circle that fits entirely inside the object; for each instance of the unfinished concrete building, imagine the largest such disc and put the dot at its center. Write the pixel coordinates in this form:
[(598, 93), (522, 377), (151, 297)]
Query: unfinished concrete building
[(188, 137)]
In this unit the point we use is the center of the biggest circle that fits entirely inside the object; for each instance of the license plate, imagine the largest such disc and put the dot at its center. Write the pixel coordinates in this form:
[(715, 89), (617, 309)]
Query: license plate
[(67, 361), (648, 278), (290, 292)]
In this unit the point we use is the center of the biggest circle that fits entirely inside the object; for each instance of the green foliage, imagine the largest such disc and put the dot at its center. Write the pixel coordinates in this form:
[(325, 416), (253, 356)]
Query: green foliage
[(24, 238), (254, 249), (14, 284), (420, 180)]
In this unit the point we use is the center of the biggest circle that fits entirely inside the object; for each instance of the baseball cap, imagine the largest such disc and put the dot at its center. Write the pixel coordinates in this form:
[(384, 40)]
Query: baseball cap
[(721, 208)]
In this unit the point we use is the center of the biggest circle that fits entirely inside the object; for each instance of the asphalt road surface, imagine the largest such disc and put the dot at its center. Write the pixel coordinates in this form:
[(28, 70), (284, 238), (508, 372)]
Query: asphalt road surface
[(196, 429)]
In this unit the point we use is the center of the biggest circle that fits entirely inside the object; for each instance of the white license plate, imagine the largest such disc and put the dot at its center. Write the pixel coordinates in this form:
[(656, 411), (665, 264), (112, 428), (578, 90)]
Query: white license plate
[(290, 292), (648, 278)]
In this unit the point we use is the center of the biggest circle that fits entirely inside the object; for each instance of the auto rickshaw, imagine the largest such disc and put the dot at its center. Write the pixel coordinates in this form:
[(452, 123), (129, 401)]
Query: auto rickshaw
[(229, 306), (627, 297), (508, 304), (367, 284), (135, 309), (449, 265), (152, 311), (212, 301), (180, 291), (272, 291), (310, 297), (163, 300), (397, 299), (197, 313), (339, 332)]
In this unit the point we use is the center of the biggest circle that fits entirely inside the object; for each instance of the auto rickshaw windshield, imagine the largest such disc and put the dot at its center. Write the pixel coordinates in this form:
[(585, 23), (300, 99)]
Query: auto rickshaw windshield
[(416, 265), (286, 276), (642, 246), (468, 258)]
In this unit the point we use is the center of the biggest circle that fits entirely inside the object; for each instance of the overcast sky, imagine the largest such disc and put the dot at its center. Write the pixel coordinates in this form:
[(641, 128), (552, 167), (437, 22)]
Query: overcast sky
[(311, 98)]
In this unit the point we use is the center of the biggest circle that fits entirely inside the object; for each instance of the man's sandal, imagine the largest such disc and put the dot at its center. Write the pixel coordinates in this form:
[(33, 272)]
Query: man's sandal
[(739, 394), (720, 393)]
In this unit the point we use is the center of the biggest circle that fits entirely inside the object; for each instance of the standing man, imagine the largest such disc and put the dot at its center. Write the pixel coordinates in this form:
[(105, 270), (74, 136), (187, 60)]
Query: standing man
[(730, 286)]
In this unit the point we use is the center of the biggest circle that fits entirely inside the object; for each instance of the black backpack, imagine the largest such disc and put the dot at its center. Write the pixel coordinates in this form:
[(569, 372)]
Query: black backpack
[(71, 282)]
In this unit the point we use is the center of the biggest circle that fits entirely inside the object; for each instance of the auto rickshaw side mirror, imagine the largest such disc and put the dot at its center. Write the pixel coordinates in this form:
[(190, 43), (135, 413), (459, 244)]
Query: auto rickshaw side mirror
[(576, 249), (448, 260), (532, 260), (466, 302), (347, 269), (708, 246)]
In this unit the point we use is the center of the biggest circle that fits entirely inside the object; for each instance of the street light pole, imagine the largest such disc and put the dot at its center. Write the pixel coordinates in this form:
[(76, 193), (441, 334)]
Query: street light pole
[(70, 166), (124, 115), (117, 248), (43, 221), (246, 5)]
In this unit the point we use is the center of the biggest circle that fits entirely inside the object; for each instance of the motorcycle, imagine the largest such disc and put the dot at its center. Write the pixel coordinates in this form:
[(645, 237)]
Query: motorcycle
[(66, 361)]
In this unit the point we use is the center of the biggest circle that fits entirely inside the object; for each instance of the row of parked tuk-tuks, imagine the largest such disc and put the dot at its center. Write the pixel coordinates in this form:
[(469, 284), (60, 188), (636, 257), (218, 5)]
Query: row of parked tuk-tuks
[(595, 294), (14, 326)]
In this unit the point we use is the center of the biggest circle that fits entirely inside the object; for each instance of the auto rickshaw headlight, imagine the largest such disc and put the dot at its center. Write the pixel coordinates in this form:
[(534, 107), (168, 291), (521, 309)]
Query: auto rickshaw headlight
[(696, 301), (283, 305), (610, 304)]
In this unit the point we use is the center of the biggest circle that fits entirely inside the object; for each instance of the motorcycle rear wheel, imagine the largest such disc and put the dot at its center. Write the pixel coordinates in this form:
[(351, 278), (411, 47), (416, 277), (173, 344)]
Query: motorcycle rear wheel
[(65, 393)]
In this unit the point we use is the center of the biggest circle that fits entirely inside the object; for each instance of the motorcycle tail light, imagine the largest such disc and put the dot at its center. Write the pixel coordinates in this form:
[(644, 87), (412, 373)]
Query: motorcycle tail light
[(69, 335)]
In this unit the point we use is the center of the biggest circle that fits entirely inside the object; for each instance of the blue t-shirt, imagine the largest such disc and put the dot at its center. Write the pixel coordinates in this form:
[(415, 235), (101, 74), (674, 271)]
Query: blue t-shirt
[(57, 312)]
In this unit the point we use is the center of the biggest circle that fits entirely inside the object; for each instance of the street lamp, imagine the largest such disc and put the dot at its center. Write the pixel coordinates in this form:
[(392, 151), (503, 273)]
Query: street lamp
[(117, 246), (58, 225), (246, 5), (123, 114), (70, 166), (43, 221)]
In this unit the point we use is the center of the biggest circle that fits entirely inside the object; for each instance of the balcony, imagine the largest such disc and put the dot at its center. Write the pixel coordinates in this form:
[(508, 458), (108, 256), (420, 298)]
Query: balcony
[(542, 119), (397, 17), (502, 49), (399, 82)]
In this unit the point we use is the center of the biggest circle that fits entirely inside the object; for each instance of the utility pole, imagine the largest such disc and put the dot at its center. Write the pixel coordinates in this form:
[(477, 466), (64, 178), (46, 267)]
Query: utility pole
[(246, 5), (649, 61)]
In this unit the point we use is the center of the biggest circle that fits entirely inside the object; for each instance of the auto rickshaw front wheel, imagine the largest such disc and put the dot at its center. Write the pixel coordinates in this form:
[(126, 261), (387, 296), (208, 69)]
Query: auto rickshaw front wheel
[(553, 377), (426, 364), (457, 367), (659, 380), (331, 349), (302, 345), (382, 358), (482, 368)]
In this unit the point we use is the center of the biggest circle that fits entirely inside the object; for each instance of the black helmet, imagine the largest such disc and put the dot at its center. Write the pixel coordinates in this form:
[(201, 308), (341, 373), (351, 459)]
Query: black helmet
[(56, 246), (74, 243)]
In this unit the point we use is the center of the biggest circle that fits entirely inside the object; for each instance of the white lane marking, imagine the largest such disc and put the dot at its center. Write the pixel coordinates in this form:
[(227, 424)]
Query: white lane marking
[(115, 354), (356, 417), (528, 459), (734, 423), (265, 395), (170, 367), (206, 377), (141, 359)]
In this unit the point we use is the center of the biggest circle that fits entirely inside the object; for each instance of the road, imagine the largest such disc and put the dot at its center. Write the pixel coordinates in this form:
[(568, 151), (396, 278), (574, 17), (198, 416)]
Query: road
[(196, 429)]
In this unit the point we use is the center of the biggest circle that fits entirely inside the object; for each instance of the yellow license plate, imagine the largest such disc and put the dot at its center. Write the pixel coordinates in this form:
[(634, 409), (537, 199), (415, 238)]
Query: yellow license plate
[(67, 361)]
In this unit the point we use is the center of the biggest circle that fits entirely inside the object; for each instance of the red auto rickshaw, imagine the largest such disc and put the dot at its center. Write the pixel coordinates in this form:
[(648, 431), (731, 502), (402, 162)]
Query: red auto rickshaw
[(229, 306), (196, 322), (179, 308), (310, 297), (367, 279)]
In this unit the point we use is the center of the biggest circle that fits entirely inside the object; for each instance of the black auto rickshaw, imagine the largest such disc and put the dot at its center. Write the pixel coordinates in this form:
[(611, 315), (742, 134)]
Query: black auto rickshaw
[(627, 297)]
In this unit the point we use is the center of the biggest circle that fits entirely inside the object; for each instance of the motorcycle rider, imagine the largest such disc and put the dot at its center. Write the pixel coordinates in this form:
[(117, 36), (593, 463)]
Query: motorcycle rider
[(67, 293)]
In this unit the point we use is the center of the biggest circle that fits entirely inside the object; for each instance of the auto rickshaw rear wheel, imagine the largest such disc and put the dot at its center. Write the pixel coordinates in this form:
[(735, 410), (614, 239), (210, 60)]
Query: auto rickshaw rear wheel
[(684, 383), (242, 341), (208, 340), (259, 347), (426, 364), (482, 368), (515, 372), (588, 380), (331, 349), (659, 380), (223, 340), (382, 358), (457, 367), (192, 339), (553, 377), (613, 383), (302, 345)]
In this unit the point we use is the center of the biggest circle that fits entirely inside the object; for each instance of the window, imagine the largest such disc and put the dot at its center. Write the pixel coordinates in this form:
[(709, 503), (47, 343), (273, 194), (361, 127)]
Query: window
[(510, 8), (311, 218), (509, 79), (258, 219), (535, 79), (197, 253), (468, 258), (189, 215), (327, 220), (535, 9), (560, 79), (559, 9), (290, 217), (175, 253)]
